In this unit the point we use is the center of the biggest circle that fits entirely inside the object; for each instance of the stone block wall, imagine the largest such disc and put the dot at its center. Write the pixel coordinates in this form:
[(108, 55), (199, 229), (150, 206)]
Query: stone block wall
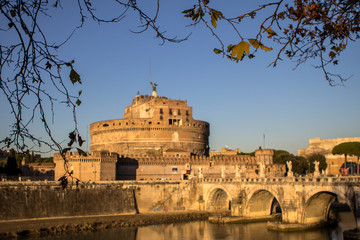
[(48, 199)]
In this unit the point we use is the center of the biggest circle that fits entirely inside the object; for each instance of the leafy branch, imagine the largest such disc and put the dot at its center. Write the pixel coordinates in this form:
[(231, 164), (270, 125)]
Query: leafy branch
[(303, 29)]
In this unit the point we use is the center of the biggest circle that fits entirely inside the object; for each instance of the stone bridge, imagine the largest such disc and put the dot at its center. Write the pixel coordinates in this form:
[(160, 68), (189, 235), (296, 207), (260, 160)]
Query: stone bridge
[(299, 200)]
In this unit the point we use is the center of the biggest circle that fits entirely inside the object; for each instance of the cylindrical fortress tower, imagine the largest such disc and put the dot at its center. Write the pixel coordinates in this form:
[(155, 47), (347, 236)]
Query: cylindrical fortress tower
[(151, 126)]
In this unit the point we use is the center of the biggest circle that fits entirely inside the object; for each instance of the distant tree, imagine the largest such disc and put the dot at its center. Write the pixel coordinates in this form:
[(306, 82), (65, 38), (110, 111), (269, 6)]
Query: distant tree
[(11, 167), (348, 149), (317, 157), (246, 154), (299, 164), (280, 156), (45, 160)]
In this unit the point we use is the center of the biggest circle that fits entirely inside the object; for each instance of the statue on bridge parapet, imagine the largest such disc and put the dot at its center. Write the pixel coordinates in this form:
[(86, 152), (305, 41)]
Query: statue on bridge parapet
[(289, 166), (316, 172), (223, 172), (201, 176), (261, 170), (237, 171)]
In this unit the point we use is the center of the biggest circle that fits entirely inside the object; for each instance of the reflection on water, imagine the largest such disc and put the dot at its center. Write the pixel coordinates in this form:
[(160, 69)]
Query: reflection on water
[(211, 231)]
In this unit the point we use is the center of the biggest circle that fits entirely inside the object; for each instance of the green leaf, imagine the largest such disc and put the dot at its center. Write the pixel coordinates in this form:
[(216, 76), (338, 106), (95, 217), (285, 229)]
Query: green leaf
[(80, 92), (81, 152), (78, 102), (74, 76)]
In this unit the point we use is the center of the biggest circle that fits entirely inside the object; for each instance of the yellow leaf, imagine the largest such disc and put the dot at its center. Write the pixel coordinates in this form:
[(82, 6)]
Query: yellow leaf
[(255, 43), (239, 49), (213, 20), (270, 32), (265, 48)]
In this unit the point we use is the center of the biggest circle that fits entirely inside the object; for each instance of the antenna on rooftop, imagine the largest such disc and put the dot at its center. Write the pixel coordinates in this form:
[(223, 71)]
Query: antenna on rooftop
[(87, 138), (150, 78), (263, 140)]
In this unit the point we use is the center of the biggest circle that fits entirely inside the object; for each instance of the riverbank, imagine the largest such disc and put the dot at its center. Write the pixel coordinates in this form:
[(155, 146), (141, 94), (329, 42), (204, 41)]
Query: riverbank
[(46, 226)]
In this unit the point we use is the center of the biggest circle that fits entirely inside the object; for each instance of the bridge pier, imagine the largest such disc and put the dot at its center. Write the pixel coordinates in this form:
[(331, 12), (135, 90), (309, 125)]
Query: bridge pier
[(236, 209)]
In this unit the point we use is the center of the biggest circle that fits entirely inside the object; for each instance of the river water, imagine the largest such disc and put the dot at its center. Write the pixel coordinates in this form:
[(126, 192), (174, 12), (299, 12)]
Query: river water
[(210, 231)]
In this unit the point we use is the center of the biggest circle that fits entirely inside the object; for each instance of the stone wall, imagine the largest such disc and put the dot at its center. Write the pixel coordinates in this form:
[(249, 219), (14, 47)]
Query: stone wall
[(48, 199)]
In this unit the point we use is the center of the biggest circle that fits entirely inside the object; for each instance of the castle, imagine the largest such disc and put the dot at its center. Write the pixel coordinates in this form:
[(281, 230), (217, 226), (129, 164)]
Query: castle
[(153, 126), (159, 139)]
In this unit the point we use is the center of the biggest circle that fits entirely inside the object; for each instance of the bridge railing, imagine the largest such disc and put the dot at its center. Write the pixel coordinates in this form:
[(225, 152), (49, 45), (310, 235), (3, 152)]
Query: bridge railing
[(269, 180)]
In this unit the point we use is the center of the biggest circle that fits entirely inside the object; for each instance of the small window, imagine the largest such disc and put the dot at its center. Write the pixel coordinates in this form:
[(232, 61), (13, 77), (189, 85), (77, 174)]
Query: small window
[(105, 125), (161, 111), (161, 118), (170, 111), (179, 113), (187, 113), (150, 123), (174, 169)]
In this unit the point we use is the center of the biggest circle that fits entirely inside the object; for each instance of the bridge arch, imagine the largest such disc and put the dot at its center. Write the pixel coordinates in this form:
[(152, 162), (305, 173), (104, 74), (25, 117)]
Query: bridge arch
[(218, 199), (317, 206), (262, 203)]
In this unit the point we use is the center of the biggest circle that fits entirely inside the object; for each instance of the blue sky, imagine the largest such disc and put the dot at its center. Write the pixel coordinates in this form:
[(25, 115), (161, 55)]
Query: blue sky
[(241, 101)]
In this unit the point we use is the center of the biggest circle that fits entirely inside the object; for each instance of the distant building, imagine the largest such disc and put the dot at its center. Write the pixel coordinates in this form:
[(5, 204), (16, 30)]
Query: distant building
[(38, 171), (225, 152), (325, 147)]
